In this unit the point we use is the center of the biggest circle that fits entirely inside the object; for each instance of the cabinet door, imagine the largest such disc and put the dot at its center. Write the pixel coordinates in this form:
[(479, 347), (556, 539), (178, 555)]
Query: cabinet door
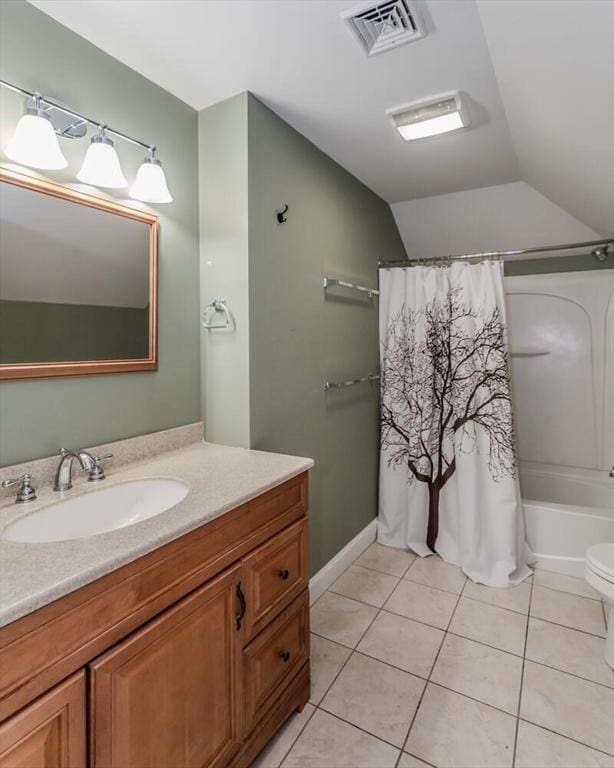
[(169, 695), (50, 732)]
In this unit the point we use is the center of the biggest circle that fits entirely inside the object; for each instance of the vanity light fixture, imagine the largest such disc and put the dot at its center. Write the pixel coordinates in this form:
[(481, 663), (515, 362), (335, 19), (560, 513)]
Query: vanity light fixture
[(34, 142), (101, 166), (150, 184), (432, 117)]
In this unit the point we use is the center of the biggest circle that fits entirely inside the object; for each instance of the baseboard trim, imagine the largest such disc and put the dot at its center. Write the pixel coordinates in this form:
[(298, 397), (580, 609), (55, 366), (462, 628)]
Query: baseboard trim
[(329, 573)]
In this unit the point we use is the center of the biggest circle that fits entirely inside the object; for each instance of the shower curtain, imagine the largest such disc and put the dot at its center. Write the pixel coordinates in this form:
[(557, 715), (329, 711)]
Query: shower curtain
[(448, 480)]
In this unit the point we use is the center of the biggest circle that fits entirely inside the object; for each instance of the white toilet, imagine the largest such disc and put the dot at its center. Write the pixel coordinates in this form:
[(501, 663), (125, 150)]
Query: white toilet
[(599, 572)]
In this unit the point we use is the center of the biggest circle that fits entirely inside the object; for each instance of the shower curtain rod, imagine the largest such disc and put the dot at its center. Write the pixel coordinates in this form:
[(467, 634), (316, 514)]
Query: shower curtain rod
[(599, 251)]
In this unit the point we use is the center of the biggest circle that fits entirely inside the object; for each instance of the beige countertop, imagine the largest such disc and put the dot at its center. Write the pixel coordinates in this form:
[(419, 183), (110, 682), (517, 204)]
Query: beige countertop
[(220, 478)]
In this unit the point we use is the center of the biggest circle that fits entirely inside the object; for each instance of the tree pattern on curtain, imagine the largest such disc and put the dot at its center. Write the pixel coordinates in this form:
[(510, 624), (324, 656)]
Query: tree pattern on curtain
[(444, 378)]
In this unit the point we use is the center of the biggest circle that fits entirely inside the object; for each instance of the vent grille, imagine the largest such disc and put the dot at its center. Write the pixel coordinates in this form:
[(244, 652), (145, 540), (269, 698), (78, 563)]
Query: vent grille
[(385, 25)]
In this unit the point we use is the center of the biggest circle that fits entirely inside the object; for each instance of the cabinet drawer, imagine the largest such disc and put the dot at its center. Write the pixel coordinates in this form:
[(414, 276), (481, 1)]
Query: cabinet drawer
[(274, 575), (274, 657)]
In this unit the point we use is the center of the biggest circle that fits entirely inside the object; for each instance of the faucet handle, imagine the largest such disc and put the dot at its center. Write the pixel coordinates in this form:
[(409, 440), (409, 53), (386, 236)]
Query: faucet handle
[(26, 491), (97, 472)]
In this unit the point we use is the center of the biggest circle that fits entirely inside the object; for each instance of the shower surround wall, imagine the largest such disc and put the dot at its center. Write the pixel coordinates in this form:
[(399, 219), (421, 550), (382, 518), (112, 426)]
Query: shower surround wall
[(290, 335)]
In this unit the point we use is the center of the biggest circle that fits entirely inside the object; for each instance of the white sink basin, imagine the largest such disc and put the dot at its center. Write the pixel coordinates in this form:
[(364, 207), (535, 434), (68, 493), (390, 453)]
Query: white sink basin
[(107, 509)]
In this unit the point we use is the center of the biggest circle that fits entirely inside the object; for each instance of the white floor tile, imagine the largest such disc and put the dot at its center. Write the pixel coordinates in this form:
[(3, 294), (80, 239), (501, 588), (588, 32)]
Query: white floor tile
[(569, 650), (327, 658), (386, 559), (435, 572), (568, 705), (537, 748), (569, 610), (340, 619), (478, 671), (327, 742), (366, 585), (376, 697), (451, 730), (275, 751), (564, 583), (513, 598), (403, 643), (489, 624), (422, 603)]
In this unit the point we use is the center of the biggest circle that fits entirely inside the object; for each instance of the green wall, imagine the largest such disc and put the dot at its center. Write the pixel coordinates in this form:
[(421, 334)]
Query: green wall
[(37, 331), (222, 132), (300, 336), (37, 417)]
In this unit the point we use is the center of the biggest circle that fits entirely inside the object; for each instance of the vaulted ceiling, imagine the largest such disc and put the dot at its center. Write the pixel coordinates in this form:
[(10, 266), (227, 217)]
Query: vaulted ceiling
[(539, 76)]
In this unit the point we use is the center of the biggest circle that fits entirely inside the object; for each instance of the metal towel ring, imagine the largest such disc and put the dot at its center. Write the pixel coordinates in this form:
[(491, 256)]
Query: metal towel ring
[(217, 305)]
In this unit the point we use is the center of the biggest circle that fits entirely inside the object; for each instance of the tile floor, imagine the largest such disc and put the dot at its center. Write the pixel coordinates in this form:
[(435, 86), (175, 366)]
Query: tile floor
[(414, 666)]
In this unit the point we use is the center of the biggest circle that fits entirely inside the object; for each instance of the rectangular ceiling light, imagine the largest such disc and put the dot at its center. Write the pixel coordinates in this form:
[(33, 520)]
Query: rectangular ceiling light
[(420, 120)]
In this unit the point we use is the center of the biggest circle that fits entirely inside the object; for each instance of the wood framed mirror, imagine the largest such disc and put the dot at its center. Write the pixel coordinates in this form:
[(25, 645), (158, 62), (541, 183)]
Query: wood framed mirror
[(78, 282)]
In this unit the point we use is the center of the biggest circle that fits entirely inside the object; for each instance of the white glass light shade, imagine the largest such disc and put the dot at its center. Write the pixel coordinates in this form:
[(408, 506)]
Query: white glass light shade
[(150, 184), (432, 127), (101, 166), (35, 143), (439, 115)]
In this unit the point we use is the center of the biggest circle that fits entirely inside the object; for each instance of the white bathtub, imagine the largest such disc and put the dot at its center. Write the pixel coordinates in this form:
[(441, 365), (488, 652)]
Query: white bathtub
[(566, 511)]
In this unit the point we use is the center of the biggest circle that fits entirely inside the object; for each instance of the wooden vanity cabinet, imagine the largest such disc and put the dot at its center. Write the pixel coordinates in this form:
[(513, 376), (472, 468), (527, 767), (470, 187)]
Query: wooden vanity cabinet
[(169, 695), (50, 733), (194, 671)]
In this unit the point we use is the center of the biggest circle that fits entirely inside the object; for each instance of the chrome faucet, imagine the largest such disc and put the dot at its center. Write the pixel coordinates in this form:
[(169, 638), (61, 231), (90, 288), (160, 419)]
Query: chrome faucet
[(89, 464), (26, 491)]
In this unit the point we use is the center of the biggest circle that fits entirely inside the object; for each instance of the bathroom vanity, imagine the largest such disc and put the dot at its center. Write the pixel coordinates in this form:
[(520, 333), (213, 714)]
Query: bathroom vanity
[(190, 655)]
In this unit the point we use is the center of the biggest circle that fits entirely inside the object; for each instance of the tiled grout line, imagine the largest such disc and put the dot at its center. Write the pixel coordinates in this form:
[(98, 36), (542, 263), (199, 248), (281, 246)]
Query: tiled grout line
[(524, 657), (317, 706), (471, 639), (287, 752), (363, 730), (424, 679), (428, 680), (565, 591), (352, 651), (571, 674), (527, 614), (479, 701), (443, 639), (565, 626), (566, 736)]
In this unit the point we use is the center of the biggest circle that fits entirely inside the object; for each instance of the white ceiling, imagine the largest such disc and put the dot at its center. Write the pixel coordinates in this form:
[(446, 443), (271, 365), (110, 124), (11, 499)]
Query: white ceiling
[(558, 91), (299, 58), (499, 218), (551, 61)]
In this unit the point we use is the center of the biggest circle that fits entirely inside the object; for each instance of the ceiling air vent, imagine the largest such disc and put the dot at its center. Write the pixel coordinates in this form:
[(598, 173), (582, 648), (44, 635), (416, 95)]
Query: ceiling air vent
[(383, 26)]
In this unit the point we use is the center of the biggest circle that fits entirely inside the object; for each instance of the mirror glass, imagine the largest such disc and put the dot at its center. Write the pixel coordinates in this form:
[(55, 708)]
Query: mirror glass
[(75, 280)]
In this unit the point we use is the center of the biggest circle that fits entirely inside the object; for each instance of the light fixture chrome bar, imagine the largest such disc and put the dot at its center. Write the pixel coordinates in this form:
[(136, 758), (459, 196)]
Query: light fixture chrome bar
[(599, 250), (77, 115), (350, 383), (328, 281)]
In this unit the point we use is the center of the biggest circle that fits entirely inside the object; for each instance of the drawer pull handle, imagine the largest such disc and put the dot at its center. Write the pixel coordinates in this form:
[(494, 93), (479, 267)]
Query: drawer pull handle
[(242, 605), (283, 574), (285, 655)]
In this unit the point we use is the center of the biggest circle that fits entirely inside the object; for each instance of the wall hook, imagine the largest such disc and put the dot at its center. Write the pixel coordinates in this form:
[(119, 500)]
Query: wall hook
[(281, 217)]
